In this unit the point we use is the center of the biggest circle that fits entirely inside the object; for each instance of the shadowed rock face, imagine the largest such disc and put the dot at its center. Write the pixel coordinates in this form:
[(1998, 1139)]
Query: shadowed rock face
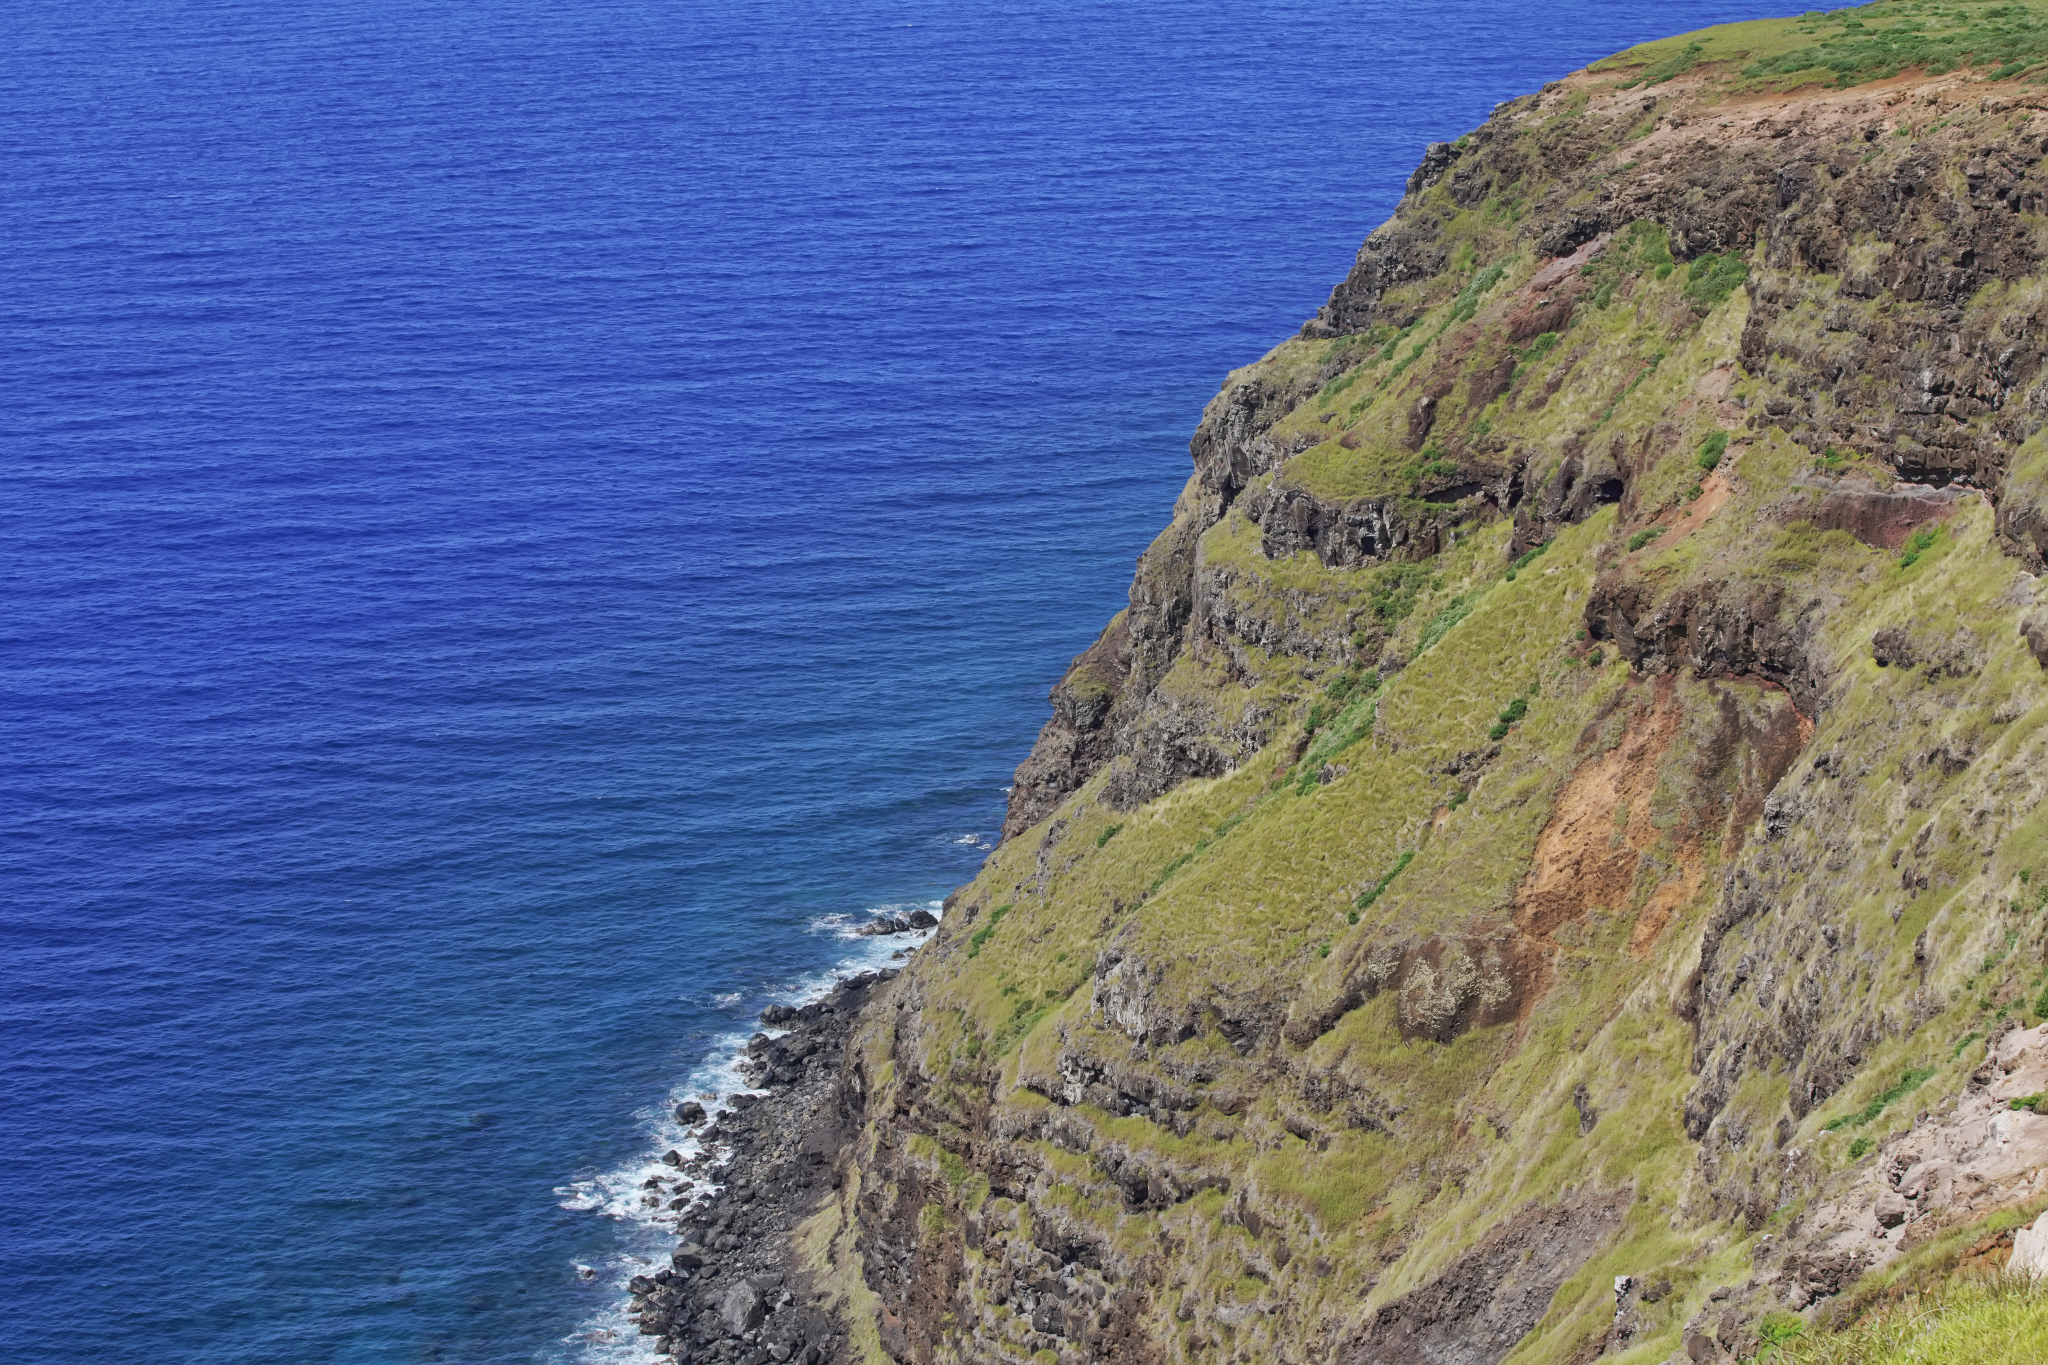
[(1488, 1299), (1079, 738)]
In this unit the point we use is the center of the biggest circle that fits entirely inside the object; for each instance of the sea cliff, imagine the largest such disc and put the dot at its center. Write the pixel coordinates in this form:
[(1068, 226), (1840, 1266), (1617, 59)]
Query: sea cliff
[(1550, 863)]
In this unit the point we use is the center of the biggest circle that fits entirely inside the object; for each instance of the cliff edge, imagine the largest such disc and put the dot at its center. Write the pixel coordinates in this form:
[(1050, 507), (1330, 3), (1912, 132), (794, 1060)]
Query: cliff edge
[(1550, 863)]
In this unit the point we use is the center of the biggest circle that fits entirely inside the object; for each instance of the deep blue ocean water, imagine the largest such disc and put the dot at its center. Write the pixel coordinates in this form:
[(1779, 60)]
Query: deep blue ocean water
[(522, 521)]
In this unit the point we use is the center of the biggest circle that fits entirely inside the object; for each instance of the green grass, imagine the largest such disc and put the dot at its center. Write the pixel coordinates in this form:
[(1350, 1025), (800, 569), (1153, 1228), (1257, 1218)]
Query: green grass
[(1525, 561), (1643, 537), (1679, 62), (2008, 37), (987, 931), (1467, 302), (1459, 608), (1107, 834), (1394, 590), (1641, 246), (1969, 1321), (1909, 1081), (1711, 279), (1917, 544), (1373, 891)]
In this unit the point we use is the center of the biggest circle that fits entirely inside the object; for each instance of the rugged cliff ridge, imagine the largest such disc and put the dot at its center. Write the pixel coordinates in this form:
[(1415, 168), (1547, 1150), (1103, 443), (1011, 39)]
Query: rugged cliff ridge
[(1536, 870)]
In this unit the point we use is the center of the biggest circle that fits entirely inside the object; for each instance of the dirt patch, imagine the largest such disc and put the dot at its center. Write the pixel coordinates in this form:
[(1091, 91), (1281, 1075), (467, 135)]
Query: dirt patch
[(1493, 1295), (1604, 837), (1882, 518), (1599, 825)]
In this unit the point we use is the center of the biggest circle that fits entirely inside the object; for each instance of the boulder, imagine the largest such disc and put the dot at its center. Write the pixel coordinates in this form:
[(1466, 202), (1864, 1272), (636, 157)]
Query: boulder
[(672, 1157), (921, 919), (1891, 1209), (1890, 646), (688, 1256), (742, 1309), (2034, 630), (690, 1112), (2030, 1251)]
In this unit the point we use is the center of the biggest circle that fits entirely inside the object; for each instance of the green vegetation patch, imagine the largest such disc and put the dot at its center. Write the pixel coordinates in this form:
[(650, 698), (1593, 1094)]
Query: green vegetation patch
[(1374, 890), (1710, 279), (1678, 63), (986, 931), (1712, 449), (1969, 1321), (1394, 590), (1897, 38), (1457, 610), (1639, 247), (1467, 302), (1909, 1081)]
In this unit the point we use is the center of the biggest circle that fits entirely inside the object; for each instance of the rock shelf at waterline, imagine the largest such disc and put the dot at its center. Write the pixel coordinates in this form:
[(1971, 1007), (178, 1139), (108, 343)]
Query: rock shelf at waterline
[(734, 1290)]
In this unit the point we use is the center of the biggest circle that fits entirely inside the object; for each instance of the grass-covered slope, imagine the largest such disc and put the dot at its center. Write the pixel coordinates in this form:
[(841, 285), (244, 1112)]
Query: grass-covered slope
[(1565, 800)]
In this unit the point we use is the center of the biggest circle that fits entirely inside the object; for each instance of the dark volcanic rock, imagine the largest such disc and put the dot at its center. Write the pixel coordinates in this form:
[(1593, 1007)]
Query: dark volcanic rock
[(734, 1290), (2034, 630)]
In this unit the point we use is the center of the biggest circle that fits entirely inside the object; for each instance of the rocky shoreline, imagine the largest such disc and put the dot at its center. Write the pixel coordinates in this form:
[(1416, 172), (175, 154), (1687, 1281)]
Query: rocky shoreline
[(734, 1291)]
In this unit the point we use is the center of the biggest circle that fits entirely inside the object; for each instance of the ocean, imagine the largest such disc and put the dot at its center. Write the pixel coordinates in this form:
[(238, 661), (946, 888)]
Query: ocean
[(524, 524)]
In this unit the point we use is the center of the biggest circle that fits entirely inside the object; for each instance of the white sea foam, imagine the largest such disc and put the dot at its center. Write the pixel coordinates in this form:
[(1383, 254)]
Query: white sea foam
[(608, 1336)]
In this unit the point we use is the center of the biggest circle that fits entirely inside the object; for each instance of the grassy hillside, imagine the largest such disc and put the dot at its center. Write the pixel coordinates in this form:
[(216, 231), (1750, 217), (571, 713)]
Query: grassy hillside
[(1561, 821)]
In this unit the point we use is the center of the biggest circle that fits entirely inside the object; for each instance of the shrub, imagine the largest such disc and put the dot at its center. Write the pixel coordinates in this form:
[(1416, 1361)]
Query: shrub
[(1467, 302), (986, 931), (1460, 607), (1540, 345), (1861, 1147), (1711, 279), (1909, 1081), (1394, 590), (1778, 1327), (1643, 537), (1343, 684), (1917, 544), (1107, 835), (1373, 890), (1596, 658), (1514, 712), (1712, 449)]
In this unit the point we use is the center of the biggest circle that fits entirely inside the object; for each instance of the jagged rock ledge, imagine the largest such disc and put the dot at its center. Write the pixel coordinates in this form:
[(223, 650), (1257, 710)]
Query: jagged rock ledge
[(735, 1292)]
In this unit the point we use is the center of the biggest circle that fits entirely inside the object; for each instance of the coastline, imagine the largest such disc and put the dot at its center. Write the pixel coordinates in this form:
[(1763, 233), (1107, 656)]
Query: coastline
[(734, 1290)]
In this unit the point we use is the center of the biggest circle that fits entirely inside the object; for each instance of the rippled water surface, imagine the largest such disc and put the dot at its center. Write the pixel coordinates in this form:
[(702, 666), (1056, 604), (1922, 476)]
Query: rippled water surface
[(522, 521)]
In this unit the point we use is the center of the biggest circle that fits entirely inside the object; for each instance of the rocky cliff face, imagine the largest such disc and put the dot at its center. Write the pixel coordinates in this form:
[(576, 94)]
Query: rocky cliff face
[(1550, 862)]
